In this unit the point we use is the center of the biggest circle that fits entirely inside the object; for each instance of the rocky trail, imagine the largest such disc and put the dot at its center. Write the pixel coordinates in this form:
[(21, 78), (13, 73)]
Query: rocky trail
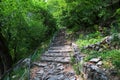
[(55, 62)]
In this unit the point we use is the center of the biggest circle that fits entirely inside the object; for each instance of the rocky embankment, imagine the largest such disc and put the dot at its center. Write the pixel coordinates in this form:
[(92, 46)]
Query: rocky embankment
[(93, 70), (109, 42)]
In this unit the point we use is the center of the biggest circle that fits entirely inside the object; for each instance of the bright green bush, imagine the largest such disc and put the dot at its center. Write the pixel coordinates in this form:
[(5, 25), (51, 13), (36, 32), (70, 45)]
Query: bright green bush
[(84, 14), (25, 25), (85, 40), (112, 56)]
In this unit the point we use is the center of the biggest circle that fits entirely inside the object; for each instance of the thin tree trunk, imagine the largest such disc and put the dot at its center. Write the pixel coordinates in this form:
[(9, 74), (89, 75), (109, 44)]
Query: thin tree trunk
[(6, 59)]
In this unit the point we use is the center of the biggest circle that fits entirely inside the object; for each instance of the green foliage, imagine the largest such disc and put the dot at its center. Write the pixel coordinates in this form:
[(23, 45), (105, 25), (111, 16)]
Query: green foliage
[(76, 68), (77, 13), (72, 60), (55, 7), (113, 56), (25, 25), (91, 38), (20, 73), (116, 24), (116, 39), (84, 14), (108, 56), (41, 49)]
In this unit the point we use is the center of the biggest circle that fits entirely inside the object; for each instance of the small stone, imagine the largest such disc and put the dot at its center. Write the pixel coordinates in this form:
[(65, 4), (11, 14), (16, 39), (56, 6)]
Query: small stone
[(103, 77), (56, 77), (40, 72), (85, 47), (97, 48), (94, 67), (26, 62), (60, 77), (66, 79), (101, 49), (93, 46), (72, 73), (60, 68), (36, 78), (59, 64), (40, 64), (99, 63), (73, 78), (97, 69), (98, 43), (90, 46), (14, 76), (95, 60), (112, 47), (52, 78)]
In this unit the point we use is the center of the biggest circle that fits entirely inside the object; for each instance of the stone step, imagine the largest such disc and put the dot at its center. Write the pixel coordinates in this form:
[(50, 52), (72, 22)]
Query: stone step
[(58, 54), (61, 44), (57, 41), (59, 48), (61, 33), (60, 39), (60, 51), (55, 59), (39, 64)]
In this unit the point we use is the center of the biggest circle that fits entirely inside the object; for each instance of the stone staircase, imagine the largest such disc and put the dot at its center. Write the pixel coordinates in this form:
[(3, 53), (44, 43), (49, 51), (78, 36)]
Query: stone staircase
[(55, 62)]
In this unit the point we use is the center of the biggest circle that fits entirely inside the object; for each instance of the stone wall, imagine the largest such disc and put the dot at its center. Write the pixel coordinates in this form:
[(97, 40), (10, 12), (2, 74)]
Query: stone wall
[(90, 70), (93, 70), (108, 42)]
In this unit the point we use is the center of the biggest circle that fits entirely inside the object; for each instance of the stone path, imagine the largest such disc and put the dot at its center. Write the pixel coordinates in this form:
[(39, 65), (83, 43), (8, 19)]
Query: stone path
[(55, 63)]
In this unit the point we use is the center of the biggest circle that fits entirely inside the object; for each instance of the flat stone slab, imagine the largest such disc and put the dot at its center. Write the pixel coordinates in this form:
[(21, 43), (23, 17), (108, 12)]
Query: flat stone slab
[(58, 51), (60, 48), (95, 60), (99, 63), (40, 72), (58, 54), (39, 64), (56, 59)]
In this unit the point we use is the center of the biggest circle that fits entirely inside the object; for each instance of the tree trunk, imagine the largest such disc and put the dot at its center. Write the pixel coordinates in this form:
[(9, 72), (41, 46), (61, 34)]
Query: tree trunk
[(5, 57)]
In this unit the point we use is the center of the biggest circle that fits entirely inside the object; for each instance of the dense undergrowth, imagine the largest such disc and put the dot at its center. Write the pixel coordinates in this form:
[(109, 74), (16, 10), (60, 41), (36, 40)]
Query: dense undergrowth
[(88, 39), (110, 57), (25, 28), (24, 25), (21, 70)]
